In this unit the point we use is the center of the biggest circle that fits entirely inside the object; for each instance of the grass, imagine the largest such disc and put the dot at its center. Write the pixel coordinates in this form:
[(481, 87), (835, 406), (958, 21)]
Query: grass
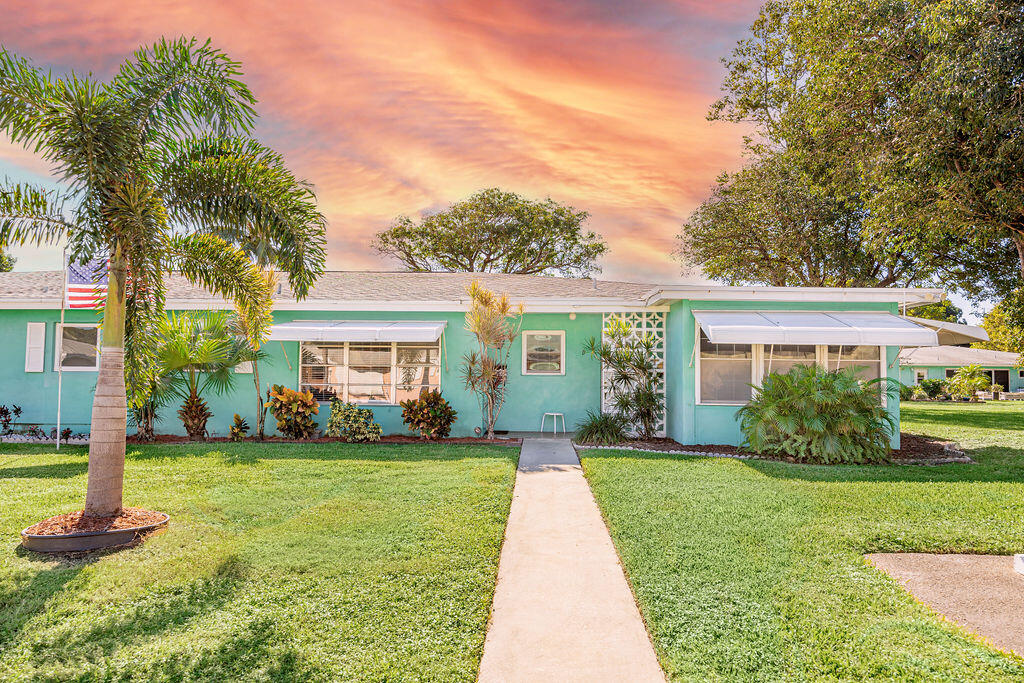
[(312, 562), (754, 570)]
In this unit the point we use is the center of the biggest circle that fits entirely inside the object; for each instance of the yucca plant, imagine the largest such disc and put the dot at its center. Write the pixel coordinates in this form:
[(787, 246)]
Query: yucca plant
[(819, 416), (197, 354)]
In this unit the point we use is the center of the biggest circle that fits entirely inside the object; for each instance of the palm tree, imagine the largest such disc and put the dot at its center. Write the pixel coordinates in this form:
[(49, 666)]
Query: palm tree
[(158, 174), (252, 328), (197, 353)]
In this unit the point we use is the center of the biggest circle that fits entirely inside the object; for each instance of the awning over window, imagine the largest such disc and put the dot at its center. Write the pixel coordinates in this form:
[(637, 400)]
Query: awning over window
[(363, 330), (812, 327)]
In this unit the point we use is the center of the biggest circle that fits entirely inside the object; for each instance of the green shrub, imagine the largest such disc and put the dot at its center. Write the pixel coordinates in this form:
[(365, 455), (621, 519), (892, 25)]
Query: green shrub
[(430, 414), (818, 416), (968, 380), (602, 428), (239, 429), (932, 388), (351, 423), (294, 411), (906, 392)]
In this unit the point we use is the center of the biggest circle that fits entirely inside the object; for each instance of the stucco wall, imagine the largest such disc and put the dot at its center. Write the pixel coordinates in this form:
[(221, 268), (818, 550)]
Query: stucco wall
[(529, 396), (716, 424)]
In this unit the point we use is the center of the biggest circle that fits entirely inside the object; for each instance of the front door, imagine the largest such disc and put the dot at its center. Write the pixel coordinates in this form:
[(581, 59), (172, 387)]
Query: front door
[(1002, 378)]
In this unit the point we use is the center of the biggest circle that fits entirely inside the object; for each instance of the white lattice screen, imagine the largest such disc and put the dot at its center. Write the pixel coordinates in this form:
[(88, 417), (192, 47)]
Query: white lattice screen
[(642, 322)]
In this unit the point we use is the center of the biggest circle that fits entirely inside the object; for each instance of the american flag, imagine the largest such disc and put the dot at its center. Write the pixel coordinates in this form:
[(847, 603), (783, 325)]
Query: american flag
[(86, 285)]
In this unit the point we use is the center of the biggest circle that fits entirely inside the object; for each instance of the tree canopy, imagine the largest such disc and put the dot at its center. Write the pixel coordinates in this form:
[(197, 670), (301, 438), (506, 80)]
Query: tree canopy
[(944, 311), (496, 231), (1004, 334), (913, 107)]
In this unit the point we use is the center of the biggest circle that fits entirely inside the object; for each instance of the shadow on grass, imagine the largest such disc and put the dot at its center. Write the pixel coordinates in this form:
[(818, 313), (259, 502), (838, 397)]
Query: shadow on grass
[(968, 416), (56, 471), (27, 599), (252, 453), (1010, 468)]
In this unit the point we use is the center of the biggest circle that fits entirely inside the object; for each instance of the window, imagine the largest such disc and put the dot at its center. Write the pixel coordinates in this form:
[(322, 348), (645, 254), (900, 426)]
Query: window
[(725, 371), (865, 361), (544, 352), (77, 348), (950, 372), (1020, 373), (779, 358), (369, 372), (919, 376)]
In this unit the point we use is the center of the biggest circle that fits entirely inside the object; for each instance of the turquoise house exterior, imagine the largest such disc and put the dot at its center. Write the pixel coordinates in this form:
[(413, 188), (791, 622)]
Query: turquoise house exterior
[(942, 361), (375, 338)]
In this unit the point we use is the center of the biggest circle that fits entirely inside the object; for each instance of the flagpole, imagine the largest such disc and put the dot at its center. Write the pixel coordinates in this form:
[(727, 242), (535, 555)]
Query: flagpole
[(60, 331)]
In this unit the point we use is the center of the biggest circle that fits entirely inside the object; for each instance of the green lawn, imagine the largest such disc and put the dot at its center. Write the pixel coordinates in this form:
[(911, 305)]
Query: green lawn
[(748, 570), (282, 562)]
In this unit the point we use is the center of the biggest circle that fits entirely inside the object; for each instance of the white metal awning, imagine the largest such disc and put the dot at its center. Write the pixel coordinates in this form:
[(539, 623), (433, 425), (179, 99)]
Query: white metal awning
[(813, 327), (952, 334), (361, 330)]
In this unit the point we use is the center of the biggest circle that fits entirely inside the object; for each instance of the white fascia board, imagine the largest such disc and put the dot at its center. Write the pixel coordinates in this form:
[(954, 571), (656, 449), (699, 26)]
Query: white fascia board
[(909, 297)]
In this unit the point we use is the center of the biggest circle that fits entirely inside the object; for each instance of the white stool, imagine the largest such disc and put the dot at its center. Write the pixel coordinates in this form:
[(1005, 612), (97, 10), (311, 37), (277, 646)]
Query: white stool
[(554, 422)]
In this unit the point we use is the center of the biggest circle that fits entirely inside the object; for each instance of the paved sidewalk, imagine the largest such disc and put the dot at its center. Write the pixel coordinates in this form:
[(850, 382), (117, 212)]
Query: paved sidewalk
[(562, 608)]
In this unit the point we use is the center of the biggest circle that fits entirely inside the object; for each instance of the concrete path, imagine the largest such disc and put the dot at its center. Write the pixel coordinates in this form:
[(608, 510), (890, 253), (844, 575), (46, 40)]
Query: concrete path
[(562, 608)]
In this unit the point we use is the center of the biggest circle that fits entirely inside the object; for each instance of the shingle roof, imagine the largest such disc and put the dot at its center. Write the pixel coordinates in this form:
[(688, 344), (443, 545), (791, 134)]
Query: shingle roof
[(368, 286), (955, 356)]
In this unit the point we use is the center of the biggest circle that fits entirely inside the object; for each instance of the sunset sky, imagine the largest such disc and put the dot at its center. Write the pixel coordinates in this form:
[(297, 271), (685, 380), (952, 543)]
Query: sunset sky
[(401, 107)]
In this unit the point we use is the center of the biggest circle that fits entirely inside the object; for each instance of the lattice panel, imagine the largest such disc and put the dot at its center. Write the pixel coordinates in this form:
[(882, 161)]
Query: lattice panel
[(642, 322)]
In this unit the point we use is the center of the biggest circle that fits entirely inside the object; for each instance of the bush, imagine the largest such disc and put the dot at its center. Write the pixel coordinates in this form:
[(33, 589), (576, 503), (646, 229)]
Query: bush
[(430, 414), (352, 423), (932, 388), (294, 411), (818, 416), (602, 428), (968, 380), (239, 429), (906, 392)]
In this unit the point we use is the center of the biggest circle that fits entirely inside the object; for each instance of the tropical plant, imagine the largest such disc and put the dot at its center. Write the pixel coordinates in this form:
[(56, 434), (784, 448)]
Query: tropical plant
[(7, 416), (907, 392), (496, 231), (932, 388), (968, 380), (197, 353), (429, 414), (157, 174), (818, 416), (352, 423), (6, 262), (239, 428), (294, 411), (635, 374), (602, 428), (496, 324), (251, 324)]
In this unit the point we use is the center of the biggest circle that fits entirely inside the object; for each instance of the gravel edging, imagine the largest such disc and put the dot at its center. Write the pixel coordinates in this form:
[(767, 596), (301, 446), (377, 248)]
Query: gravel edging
[(709, 454), (961, 459)]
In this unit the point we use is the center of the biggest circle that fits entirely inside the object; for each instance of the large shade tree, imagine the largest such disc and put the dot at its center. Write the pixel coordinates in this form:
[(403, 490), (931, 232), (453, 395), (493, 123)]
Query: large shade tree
[(157, 174), (494, 231)]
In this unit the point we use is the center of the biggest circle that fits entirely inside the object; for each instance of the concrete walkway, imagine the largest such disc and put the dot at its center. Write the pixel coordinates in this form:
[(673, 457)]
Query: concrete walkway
[(562, 608)]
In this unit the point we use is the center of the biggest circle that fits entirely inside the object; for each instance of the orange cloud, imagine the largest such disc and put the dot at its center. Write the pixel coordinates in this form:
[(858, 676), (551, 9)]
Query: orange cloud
[(402, 107)]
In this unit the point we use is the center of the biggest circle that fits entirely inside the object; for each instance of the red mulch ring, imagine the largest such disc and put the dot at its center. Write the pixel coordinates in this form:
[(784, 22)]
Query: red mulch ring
[(392, 439), (914, 450), (75, 523)]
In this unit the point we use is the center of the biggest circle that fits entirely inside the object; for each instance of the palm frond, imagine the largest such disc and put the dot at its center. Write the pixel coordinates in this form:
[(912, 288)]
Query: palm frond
[(31, 215)]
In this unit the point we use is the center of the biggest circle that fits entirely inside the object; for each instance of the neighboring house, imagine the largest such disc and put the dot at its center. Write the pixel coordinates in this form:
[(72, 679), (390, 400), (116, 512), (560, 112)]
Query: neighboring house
[(941, 362), (378, 338)]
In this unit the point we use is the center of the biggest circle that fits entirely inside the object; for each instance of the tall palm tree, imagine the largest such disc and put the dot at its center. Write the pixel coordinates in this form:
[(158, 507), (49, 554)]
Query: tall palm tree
[(158, 174)]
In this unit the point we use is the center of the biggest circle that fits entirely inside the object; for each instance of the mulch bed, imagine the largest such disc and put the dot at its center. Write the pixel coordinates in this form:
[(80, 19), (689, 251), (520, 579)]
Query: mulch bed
[(914, 450), (75, 523), (392, 439)]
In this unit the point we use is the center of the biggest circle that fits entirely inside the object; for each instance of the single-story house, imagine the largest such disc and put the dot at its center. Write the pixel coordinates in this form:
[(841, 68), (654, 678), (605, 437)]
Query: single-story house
[(376, 338), (941, 362)]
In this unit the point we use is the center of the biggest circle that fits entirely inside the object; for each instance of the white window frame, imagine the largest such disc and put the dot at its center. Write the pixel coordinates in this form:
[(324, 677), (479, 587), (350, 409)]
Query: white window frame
[(58, 343), (561, 364), (920, 376), (395, 367), (758, 365)]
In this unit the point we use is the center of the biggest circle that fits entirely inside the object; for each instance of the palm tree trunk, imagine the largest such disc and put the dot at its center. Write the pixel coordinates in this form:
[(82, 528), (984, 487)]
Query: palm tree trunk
[(109, 404), (261, 413)]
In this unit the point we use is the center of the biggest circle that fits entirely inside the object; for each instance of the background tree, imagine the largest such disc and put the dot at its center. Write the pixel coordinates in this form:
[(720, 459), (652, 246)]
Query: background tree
[(1003, 332), (495, 323), (152, 163), (6, 262), (943, 311), (496, 231), (915, 105), (782, 222)]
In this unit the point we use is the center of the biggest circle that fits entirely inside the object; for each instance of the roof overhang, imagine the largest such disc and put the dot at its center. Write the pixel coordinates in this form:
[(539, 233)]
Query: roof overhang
[(813, 327), (906, 297), (952, 334), (358, 331)]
